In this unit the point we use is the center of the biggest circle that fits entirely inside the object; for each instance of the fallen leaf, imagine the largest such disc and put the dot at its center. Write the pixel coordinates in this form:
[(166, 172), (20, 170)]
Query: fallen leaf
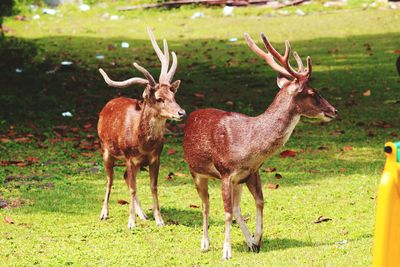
[(8, 220), (87, 125), (396, 51), (194, 206), (74, 156), (171, 151), (278, 176), (322, 219), (22, 140), (342, 170), (394, 134), (287, 153), (347, 148), (87, 154), (32, 160), (338, 132), (272, 186), (323, 148), (367, 93), (382, 124), (20, 18), (122, 202), (170, 176), (179, 174), (5, 140), (313, 171), (199, 95), (269, 169)]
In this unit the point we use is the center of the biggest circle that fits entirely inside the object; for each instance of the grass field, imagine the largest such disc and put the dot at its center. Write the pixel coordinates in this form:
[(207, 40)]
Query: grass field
[(55, 201)]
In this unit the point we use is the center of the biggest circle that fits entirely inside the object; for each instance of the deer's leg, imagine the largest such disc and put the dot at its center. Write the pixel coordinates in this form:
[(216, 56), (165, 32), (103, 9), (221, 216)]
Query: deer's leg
[(237, 192), (108, 161), (130, 178), (153, 170), (202, 189), (139, 210), (227, 198), (255, 188)]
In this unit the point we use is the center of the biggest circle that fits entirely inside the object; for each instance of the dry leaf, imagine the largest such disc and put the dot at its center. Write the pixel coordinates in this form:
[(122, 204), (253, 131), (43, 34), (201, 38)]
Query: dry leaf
[(22, 140), (179, 174), (194, 206), (269, 169), (8, 220), (347, 148), (171, 151), (199, 95), (287, 153), (170, 176), (278, 176), (87, 154), (122, 202), (322, 219), (367, 93), (272, 186)]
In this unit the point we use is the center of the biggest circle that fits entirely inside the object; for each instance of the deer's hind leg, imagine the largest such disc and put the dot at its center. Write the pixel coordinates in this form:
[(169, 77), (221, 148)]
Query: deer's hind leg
[(237, 192)]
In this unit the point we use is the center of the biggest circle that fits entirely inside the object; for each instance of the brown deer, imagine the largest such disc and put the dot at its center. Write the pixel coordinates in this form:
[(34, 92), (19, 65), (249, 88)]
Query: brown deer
[(134, 130), (232, 146)]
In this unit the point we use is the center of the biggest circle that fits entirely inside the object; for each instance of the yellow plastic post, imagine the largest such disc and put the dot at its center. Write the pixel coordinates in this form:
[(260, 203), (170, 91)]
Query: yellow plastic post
[(387, 227)]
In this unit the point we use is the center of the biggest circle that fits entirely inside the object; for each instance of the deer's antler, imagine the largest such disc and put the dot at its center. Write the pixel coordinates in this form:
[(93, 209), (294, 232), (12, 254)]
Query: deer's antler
[(284, 68), (165, 75), (123, 84)]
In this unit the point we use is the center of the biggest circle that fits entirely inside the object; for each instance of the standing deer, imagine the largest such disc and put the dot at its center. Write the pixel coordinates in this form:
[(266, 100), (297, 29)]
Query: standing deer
[(232, 146), (134, 130)]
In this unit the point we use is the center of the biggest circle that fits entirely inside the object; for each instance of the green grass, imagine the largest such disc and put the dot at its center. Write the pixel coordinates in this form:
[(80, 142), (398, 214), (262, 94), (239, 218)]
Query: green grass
[(58, 222)]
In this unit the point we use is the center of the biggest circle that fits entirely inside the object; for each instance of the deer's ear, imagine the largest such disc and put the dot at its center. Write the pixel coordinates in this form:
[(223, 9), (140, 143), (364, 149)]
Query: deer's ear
[(282, 81), (175, 85)]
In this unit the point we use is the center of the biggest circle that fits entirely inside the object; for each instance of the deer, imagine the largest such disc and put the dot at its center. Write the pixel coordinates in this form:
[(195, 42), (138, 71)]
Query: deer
[(232, 147), (133, 130)]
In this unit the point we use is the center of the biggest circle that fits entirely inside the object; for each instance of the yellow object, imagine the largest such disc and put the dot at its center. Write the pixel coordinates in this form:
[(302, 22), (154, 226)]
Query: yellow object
[(387, 227)]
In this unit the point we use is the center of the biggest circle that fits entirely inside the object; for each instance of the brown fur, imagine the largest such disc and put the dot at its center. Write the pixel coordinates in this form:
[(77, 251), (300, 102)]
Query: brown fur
[(232, 147)]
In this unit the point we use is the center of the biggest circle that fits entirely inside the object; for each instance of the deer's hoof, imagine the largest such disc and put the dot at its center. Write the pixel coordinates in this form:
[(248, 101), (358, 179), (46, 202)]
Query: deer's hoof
[(160, 222), (255, 248), (131, 224), (103, 215), (227, 252), (205, 244)]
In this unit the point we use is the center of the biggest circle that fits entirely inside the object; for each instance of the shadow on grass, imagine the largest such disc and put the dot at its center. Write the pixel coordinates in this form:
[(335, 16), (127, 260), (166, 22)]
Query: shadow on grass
[(287, 243), (36, 97)]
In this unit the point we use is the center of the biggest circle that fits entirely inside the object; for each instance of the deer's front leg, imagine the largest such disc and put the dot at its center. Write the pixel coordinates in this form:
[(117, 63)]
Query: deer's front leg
[(255, 188), (130, 179), (108, 161), (202, 189), (153, 170), (227, 198)]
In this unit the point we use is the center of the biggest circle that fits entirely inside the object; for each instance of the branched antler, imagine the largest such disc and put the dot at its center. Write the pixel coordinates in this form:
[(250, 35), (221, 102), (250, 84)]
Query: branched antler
[(165, 75), (284, 68)]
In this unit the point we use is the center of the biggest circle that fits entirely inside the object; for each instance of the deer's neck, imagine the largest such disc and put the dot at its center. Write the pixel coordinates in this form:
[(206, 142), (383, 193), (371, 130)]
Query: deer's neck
[(151, 127), (276, 124)]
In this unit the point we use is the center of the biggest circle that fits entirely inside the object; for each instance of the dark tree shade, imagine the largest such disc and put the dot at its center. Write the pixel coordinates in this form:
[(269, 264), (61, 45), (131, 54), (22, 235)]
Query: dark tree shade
[(6, 7), (398, 65)]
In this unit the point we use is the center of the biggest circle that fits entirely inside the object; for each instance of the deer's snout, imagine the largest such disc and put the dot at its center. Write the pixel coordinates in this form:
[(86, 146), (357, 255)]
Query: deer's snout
[(181, 113)]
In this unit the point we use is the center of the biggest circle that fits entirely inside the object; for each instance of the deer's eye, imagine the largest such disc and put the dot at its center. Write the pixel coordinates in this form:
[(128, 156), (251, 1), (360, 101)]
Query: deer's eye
[(160, 100)]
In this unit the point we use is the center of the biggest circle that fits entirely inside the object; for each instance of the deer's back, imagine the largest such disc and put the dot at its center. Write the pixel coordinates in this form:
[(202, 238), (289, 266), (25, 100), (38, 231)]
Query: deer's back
[(118, 124)]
